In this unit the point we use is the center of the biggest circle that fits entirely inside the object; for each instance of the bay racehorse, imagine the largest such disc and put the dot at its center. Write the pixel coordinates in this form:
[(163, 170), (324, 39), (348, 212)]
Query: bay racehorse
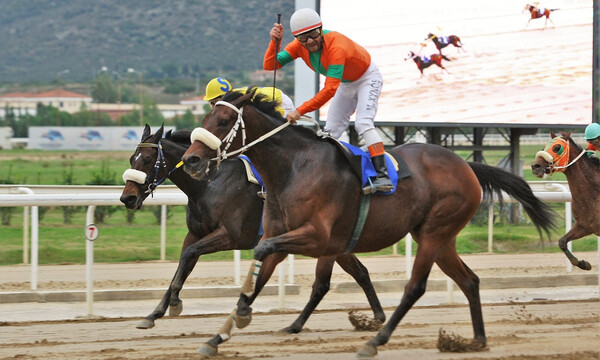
[(447, 40), (424, 62), (562, 154), (536, 12), (314, 196), (223, 213)]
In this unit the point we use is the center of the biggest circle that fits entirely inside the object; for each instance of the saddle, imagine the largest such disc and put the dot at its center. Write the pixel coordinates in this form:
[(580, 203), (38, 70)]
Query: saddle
[(360, 162)]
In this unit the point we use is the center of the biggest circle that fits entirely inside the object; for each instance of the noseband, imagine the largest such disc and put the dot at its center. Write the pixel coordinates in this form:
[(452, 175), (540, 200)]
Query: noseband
[(137, 175)]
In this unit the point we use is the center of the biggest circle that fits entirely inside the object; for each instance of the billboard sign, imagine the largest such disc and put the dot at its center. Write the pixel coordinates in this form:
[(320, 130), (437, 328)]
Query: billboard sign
[(509, 73), (86, 138)]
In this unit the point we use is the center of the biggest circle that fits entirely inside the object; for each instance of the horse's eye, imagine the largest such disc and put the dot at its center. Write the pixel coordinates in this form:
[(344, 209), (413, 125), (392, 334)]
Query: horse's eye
[(556, 148), (147, 160), (223, 123)]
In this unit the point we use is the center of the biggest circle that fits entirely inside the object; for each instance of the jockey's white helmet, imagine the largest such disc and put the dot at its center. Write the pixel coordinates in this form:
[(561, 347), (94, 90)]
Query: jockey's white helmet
[(304, 20)]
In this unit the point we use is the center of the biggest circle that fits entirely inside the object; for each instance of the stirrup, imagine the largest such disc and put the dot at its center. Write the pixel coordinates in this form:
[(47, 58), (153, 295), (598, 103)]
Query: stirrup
[(369, 189), (262, 194)]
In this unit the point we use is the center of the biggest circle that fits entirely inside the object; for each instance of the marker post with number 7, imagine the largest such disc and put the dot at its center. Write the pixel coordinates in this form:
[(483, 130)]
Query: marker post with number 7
[(91, 234)]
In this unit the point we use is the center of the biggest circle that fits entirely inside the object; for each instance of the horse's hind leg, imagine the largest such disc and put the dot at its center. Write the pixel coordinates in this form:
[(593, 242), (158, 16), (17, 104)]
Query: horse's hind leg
[(468, 282), (351, 265), (576, 232), (319, 289), (415, 288)]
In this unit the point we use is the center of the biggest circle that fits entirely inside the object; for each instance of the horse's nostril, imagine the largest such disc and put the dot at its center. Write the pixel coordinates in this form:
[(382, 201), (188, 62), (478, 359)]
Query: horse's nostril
[(192, 160)]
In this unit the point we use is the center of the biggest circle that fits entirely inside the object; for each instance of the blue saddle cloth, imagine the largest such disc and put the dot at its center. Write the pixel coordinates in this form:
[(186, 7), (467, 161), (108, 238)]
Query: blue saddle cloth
[(369, 171)]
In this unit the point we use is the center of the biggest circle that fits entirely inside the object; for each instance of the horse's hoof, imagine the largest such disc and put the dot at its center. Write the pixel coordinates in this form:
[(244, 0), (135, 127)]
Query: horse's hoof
[(175, 310), (367, 351), (291, 330), (584, 265), (243, 321), (145, 324), (207, 350)]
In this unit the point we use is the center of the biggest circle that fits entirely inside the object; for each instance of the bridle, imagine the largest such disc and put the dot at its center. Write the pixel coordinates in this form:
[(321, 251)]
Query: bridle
[(136, 175), (213, 142), (558, 163)]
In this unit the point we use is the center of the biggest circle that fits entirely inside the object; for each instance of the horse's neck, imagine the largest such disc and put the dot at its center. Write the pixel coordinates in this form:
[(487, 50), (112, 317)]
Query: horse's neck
[(173, 153), (581, 176), (276, 154)]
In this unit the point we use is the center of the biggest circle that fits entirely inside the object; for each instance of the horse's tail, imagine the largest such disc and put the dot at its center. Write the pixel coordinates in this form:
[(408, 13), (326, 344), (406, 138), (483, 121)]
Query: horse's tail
[(495, 180), (445, 57)]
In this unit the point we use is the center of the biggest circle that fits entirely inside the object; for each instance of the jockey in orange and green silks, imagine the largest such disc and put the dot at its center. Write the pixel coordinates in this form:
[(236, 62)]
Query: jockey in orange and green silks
[(352, 82), (592, 135)]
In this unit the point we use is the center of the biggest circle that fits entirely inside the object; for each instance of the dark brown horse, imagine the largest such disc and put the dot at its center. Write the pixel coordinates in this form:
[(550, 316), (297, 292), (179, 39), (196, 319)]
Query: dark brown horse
[(445, 41), (223, 213), (538, 13), (314, 197), (425, 62), (562, 154)]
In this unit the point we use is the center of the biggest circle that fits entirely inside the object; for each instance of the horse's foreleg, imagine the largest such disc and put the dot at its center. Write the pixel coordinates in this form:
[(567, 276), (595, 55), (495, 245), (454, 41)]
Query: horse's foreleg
[(351, 265), (468, 282), (302, 240), (171, 297), (576, 232), (415, 288), (258, 275)]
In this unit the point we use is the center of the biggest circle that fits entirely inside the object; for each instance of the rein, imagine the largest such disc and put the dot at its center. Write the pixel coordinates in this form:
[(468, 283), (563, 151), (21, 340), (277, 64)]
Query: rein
[(572, 162), (160, 160)]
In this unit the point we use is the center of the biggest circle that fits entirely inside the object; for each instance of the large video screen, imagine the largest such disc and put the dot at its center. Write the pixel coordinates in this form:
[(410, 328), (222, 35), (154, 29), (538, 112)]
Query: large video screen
[(508, 73)]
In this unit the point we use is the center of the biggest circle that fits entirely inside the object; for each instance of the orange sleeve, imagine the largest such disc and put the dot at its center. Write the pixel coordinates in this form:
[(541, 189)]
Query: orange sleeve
[(322, 97), (269, 58)]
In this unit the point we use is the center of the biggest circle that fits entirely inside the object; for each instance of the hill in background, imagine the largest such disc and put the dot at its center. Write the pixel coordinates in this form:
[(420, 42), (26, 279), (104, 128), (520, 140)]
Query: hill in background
[(161, 39)]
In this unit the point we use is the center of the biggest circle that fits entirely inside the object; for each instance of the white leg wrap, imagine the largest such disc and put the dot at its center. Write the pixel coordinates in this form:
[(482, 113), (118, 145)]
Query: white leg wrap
[(248, 286)]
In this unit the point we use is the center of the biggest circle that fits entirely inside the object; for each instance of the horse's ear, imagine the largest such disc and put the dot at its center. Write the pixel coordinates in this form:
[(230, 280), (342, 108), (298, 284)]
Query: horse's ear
[(567, 135), (159, 133), (246, 98), (552, 134), (146, 131)]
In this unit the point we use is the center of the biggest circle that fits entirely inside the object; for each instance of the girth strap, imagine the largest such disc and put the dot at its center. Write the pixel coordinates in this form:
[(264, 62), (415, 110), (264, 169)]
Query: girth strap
[(365, 202)]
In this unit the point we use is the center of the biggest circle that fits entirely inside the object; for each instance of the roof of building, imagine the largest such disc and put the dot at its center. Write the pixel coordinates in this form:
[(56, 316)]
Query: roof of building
[(55, 93)]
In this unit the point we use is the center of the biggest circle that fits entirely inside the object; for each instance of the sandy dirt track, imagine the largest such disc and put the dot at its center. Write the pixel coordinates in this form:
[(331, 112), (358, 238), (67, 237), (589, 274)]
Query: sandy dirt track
[(536, 330)]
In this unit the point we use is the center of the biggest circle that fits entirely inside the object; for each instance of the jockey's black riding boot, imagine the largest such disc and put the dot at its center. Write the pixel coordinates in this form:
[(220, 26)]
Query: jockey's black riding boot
[(382, 182)]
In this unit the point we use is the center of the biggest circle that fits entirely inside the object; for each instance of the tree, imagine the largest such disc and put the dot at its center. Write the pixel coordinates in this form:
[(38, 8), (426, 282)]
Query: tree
[(186, 121), (104, 89)]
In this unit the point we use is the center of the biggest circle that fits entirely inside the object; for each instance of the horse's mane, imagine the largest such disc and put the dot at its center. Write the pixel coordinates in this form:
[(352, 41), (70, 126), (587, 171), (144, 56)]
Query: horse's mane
[(181, 137), (261, 103), (591, 159)]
